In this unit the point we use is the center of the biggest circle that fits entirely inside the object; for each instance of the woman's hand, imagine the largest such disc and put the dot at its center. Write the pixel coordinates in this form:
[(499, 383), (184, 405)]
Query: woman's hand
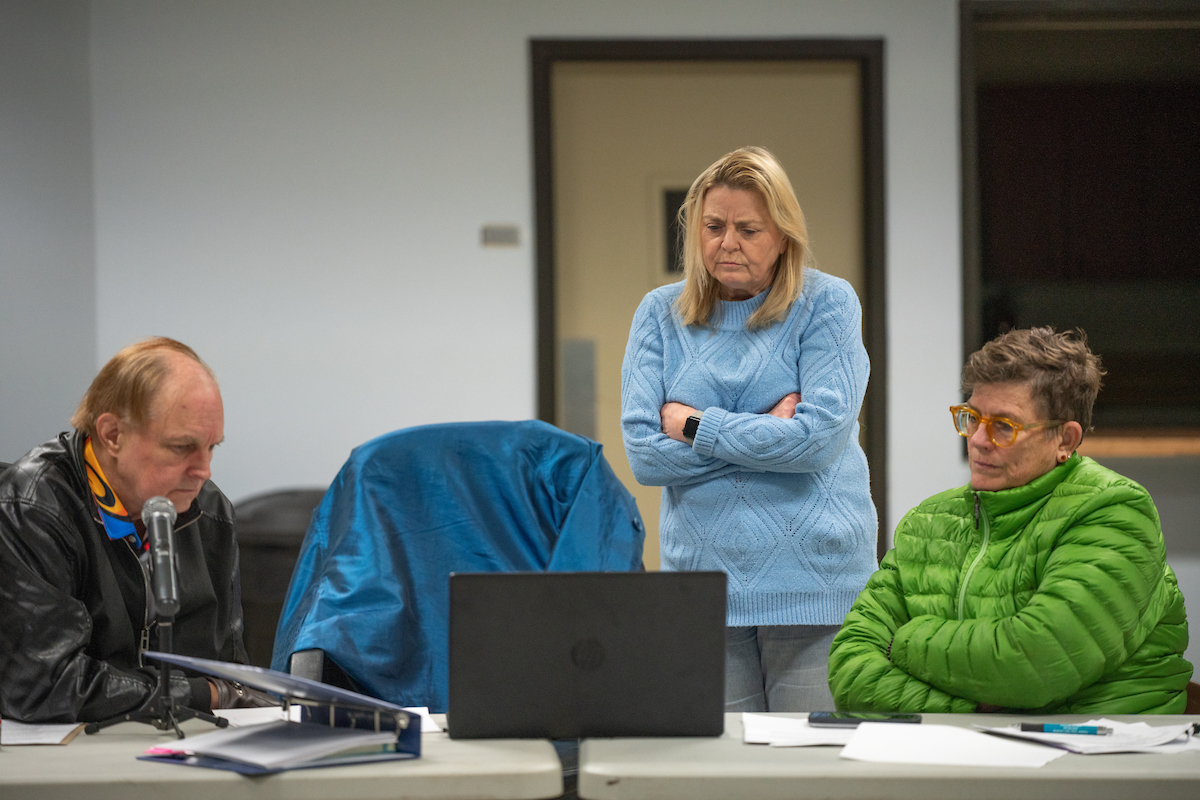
[(673, 416), (786, 408)]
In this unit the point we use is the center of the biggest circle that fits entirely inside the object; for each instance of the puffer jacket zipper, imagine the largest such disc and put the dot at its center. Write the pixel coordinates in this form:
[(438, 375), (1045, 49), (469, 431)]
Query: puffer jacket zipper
[(980, 514)]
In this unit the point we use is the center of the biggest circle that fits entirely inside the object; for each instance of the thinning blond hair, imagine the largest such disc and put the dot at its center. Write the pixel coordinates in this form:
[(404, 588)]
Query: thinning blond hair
[(754, 169), (128, 384)]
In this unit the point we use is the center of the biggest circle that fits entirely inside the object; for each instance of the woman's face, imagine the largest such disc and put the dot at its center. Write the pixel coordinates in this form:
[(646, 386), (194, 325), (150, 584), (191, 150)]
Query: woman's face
[(740, 241), (1032, 455)]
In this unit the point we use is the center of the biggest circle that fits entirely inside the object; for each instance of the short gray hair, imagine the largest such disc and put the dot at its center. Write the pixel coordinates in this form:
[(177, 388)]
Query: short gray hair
[(1062, 373)]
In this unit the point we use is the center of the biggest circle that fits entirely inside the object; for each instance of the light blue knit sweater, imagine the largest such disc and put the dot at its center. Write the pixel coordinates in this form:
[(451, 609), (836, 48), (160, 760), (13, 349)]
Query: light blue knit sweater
[(782, 506)]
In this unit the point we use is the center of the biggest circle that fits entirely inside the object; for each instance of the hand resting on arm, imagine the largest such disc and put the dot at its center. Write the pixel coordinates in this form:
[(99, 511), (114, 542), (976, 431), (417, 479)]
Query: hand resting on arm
[(674, 415)]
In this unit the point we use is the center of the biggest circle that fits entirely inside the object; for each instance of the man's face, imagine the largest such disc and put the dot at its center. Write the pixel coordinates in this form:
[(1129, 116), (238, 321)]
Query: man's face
[(171, 454)]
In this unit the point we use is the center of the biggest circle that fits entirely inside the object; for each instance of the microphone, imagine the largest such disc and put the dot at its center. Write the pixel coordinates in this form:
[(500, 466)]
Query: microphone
[(158, 514)]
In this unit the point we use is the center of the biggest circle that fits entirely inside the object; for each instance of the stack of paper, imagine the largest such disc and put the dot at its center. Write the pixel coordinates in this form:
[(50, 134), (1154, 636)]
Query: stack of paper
[(949, 744), (1126, 737), (18, 733), (890, 742), (789, 732), (942, 744)]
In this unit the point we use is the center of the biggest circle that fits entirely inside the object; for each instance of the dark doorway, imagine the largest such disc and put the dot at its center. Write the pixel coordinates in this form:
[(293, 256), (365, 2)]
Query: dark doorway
[(869, 54), (1081, 124)]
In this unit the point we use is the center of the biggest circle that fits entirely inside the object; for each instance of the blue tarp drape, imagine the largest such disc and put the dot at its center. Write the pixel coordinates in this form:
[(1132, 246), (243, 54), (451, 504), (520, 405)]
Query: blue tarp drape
[(371, 587)]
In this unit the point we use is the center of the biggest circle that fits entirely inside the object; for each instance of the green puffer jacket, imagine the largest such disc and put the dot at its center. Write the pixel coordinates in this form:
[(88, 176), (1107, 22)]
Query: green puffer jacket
[(1053, 597)]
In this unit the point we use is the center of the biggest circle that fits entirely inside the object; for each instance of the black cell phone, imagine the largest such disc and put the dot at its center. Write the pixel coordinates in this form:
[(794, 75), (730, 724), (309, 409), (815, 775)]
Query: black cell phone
[(850, 719)]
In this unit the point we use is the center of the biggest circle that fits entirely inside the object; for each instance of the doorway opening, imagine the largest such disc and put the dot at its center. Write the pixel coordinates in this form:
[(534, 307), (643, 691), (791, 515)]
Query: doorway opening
[(1081, 198), (567, 366)]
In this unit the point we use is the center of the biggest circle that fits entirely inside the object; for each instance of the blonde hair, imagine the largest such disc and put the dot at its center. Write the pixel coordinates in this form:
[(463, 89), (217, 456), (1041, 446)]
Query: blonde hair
[(754, 169), (128, 384)]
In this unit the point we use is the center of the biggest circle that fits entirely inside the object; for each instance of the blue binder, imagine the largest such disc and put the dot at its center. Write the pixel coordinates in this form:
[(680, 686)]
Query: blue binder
[(331, 719)]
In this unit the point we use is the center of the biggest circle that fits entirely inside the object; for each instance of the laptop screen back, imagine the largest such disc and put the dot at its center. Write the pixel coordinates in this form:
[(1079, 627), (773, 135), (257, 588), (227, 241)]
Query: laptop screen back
[(571, 654)]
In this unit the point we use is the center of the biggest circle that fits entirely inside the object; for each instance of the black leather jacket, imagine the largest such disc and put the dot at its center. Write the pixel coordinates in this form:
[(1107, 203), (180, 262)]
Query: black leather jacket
[(73, 619)]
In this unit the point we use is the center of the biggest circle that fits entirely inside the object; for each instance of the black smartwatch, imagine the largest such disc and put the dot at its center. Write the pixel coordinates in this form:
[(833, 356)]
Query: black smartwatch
[(690, 427)]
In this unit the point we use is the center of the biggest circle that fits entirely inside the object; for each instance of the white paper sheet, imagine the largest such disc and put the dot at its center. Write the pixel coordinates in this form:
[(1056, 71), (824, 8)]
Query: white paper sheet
[(942, 744), (1126, 737), (20, 733), (789, 732), (427, 723)]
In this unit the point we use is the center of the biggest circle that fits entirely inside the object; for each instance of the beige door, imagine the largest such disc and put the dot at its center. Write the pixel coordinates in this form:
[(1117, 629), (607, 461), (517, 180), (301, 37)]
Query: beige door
[(625, 133)]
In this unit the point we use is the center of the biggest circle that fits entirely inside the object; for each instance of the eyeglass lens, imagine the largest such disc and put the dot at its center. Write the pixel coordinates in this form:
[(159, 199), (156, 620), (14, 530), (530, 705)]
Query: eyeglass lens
[(999, 431)]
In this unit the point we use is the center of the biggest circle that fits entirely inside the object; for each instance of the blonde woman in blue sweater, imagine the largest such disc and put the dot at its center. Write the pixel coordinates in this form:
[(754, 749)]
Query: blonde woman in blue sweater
[(740, 395)]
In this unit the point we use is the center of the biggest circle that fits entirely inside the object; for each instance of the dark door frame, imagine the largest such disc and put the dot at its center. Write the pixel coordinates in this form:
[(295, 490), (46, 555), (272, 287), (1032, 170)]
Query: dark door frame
[(869, 53)]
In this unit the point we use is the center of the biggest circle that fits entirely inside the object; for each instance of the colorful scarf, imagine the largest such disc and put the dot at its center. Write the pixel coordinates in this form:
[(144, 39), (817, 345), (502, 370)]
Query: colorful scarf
[(117, 522)]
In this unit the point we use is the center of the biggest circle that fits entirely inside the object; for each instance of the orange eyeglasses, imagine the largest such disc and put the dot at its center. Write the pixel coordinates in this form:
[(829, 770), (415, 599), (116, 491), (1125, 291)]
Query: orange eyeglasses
[(1001, 430)]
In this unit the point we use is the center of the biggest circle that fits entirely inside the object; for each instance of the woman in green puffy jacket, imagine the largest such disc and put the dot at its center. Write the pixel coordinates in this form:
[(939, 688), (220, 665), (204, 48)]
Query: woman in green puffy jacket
[(1042, 586)]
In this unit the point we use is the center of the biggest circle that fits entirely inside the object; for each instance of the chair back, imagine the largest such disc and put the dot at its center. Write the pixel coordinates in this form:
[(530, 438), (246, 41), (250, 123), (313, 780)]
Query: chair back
[(270, 528), (371, 587), (1193, 698)]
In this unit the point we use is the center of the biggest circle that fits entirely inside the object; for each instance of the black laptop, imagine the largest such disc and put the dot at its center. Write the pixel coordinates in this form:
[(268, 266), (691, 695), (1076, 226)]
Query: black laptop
[(563, 655)]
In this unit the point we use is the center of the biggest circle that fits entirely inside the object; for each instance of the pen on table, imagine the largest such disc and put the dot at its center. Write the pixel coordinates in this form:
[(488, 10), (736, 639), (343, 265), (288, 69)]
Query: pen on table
[(1051, 727)]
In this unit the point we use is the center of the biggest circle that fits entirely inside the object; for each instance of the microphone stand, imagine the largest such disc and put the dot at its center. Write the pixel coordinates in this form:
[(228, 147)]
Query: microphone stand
[(161, 710)]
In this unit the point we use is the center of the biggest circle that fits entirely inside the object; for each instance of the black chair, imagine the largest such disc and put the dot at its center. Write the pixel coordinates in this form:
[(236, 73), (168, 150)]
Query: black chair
[(270, 528), (1193, 698), (316, 665)]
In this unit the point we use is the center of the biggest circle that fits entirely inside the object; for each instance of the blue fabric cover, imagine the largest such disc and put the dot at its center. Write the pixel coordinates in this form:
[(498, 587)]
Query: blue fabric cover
[(371, 586)]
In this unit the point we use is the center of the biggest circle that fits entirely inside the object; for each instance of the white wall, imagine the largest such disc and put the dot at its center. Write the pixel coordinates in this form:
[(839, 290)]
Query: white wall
[(47, 284), (296, 189)]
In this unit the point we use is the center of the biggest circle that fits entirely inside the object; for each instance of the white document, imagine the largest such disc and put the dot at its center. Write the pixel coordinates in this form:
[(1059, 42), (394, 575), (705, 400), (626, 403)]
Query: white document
[(1126, 737), (19, 733), (427, 723), (942, 744), (789, 732)]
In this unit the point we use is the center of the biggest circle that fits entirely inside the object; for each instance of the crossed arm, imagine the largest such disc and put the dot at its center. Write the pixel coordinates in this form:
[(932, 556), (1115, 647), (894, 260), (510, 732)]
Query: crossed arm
[(1088, 614), (674, 415), (798, 434)]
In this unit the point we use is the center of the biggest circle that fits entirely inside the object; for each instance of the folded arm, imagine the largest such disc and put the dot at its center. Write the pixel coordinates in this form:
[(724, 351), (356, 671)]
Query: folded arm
[(1088, 615), (656, 458), (862, 677), (832, 377)]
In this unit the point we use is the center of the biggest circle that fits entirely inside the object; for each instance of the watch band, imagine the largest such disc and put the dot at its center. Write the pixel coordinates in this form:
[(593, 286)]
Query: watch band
[(690, 427)]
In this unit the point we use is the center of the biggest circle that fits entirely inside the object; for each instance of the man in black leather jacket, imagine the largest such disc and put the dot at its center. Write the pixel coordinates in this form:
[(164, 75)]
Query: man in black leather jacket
[(74, 574)]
